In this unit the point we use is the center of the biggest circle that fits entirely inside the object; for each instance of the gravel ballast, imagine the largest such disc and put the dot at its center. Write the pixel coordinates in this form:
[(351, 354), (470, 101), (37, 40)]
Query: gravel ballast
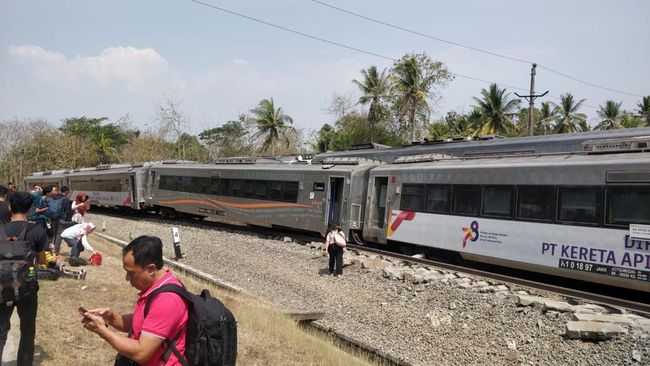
[(443, 322)]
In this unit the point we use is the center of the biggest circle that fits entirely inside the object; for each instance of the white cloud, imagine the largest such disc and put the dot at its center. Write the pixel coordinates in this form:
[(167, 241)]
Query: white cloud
[(132, 67)]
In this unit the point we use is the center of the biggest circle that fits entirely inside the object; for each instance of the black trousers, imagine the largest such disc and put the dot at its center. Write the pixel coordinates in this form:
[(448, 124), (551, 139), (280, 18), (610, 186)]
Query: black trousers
[(61, 225), (336, 257), (27, 308)]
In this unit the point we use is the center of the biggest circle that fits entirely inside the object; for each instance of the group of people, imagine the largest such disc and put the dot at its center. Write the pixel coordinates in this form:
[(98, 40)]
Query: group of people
[(23, 213)]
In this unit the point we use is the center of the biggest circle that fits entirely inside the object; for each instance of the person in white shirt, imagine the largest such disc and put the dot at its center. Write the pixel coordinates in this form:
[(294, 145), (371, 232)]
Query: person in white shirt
[(76, 236)]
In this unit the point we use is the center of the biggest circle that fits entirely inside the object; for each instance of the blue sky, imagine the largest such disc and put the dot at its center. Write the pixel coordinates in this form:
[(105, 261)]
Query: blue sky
[(66, 58)]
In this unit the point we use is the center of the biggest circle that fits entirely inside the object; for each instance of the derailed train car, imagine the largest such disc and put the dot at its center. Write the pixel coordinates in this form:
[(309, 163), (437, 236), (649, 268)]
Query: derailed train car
[(584, 216)]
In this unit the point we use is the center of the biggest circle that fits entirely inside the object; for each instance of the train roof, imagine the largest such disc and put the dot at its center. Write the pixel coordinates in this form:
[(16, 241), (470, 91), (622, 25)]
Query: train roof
[(571, 142)]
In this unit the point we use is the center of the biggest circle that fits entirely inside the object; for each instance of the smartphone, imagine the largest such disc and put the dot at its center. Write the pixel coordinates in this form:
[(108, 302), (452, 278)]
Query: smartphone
[(82, 310)]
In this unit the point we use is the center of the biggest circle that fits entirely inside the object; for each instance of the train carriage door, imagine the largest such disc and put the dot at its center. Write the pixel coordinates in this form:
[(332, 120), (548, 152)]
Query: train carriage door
[(334, 201), (378, 205)]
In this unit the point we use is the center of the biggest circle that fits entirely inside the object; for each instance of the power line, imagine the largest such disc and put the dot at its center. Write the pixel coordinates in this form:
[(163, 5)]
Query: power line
[(346, 46), (472, 48)]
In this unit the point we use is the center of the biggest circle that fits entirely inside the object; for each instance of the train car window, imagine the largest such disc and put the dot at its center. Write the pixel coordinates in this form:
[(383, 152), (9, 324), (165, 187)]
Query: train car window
[(236, 187), (261, 188), (168, 182), (579, 204), (628, 205), (249, 188), (467, 200), (224, 187), (412, 197), (105, 185), (497, 201), (438, 198), (199, 185), (290, 192), (275, 190), (535, 202), (213, 186)]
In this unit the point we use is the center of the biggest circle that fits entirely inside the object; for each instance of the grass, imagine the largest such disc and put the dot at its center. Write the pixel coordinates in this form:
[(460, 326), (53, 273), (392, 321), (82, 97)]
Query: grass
[(265, 337)]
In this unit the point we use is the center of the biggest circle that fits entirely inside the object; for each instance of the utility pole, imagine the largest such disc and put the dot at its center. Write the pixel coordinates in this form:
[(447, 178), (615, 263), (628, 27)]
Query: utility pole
[(531, 99)]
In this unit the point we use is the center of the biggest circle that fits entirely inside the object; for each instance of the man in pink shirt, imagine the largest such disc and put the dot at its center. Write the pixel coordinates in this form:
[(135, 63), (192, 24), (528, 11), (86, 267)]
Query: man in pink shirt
[(148, 335)]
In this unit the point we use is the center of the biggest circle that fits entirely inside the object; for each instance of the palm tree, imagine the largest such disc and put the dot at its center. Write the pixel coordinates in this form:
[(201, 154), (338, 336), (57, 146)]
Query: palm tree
[(272, 123), (567, 119), (104, 148), (610, 114), (374, 87), (644, 109), (547, 113), (495, 111), (411, 96)]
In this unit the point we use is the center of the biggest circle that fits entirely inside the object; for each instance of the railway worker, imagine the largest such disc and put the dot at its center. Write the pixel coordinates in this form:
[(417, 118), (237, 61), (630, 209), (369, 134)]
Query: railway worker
[(142, 260), (76, 236), (334, 245)]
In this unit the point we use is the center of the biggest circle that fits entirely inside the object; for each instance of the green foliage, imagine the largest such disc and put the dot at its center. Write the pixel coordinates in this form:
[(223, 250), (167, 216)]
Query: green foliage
[(630, 121), (230, 139), (188, 147), (644, 109), (496, 111), (106, 139), (567, 118), (610, 115), (272, 125), (375, 88)]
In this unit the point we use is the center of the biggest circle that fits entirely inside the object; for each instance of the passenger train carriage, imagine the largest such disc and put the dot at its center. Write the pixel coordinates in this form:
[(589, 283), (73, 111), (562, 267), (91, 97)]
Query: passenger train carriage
[(572, 215), (579, 215)]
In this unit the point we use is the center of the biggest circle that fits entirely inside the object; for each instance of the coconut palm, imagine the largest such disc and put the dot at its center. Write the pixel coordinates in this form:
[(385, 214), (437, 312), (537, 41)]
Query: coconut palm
[(272, 123), (567, 119), (611, 116), (644, 109), (495, 111), (375, 87), (547, 113)]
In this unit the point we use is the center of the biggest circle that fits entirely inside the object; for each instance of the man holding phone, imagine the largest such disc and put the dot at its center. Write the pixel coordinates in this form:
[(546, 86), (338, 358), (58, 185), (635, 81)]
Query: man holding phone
[(167, 318)]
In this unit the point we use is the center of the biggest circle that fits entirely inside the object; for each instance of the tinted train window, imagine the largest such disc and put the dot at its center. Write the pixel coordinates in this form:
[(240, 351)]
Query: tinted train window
[(290, 192), (249, 188), (224, 187), (438, 198), (535, 202), (168, 182), (467, 200), (412, 197), (236, 187), (497, 201), (261, 186), (628, 205), (275, 190), (579, 204)]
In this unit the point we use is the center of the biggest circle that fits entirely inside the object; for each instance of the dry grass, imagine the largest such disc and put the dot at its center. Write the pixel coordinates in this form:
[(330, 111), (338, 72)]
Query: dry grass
[(265, 337)]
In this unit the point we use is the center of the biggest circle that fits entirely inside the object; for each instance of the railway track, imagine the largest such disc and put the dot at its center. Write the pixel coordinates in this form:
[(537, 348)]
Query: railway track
[(575, 294)]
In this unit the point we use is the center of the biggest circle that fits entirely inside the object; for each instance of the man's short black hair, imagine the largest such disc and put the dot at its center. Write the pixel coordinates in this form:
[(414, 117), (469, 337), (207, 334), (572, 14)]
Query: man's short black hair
[(146, 250), (64, 189), (3, 191), (47, 189), (20, 202)]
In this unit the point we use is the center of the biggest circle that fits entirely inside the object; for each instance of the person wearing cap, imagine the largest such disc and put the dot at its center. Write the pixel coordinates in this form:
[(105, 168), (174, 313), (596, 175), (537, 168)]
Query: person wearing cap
[(76, 236)]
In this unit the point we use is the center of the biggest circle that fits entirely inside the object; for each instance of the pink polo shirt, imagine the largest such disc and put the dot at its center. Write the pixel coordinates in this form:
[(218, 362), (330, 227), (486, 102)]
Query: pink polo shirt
[(167, 316)]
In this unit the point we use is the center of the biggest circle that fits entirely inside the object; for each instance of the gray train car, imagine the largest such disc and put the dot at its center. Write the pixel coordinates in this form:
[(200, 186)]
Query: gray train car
[(41, 179), (490, 145), (298, 196), (582, 216)]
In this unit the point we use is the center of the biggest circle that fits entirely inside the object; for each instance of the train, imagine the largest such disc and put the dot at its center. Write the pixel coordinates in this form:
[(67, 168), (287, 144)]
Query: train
[(582, 215)]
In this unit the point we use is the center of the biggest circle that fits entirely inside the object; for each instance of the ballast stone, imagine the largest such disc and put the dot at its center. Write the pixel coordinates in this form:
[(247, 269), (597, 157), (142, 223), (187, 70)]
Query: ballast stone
[(616, 319), (597, 331)]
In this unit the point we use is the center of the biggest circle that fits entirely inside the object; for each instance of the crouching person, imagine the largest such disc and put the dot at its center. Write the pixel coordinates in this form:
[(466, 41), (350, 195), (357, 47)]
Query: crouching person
[(76, 236), (165, 321)]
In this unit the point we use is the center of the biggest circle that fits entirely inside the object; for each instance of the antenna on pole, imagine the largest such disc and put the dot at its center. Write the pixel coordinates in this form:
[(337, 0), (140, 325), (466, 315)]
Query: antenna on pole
[(531, 99)]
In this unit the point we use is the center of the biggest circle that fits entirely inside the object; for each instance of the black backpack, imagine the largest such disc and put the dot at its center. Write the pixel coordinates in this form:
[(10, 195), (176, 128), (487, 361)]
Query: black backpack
[(16, 279), (211, 338)]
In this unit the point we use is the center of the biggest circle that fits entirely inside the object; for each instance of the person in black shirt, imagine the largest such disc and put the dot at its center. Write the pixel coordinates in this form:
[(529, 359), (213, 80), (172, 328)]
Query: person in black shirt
[(5, 214), (66, 217), (20, 204)]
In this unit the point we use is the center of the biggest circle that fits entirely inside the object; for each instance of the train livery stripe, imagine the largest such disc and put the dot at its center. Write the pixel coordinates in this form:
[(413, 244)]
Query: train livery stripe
[(217, 203)]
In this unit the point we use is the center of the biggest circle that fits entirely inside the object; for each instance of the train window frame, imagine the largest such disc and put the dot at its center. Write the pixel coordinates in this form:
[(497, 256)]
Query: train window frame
[(625, 188), (430, 187), (454, 205), (276, 190), (552, 191), (599, 205), (484, 198), (290, 191), (422, 196)]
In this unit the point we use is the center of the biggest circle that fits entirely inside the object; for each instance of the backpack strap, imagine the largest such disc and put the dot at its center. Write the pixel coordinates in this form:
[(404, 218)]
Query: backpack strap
[(171, 345)]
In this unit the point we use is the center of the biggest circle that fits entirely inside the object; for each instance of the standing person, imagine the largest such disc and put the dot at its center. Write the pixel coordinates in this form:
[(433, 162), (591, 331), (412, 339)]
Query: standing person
[(5, 212), (54, 200), (11, 187), (76, 236), (167, 318), (334, 245), (80, 205), (66, 217), (37, 212), (20, 203)]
